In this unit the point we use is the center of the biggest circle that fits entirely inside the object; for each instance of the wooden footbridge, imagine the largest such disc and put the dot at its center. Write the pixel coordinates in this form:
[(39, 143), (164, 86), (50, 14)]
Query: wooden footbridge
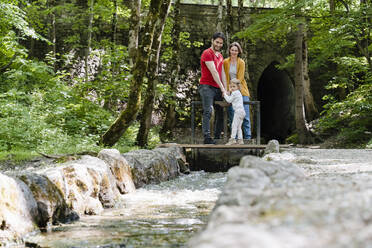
[(217, 158), (218, 146)]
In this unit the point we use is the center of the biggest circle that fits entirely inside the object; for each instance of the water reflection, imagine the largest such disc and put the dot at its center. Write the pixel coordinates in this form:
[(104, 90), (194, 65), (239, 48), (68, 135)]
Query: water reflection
[(163, 215)]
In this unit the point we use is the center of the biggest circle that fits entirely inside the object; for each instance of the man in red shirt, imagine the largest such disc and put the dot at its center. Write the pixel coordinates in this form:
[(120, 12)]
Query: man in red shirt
[(211, 87)]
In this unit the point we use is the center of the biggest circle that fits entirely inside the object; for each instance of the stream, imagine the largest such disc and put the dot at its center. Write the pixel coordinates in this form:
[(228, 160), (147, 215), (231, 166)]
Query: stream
[(163, 215)]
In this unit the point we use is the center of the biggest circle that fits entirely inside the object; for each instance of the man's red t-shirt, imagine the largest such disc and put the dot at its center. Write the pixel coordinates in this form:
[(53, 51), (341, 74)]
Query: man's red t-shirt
[(206, 75)]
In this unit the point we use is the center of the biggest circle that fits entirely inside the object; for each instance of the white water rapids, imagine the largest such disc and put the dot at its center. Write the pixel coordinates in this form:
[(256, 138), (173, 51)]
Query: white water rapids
[(162, 215)]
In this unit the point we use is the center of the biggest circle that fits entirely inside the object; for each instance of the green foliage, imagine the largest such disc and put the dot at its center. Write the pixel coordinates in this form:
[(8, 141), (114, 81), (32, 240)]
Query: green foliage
[(335, 35), (248, 3), (59, 112), (350, 119), (26, 75), (75, 115), (269, 26), (12, 17), (127, 142), (369, 145), (167, 41), (13, 27), (17, 156), (39, 112), (351, 73), (111, 85), (34, 122), (292, 139)]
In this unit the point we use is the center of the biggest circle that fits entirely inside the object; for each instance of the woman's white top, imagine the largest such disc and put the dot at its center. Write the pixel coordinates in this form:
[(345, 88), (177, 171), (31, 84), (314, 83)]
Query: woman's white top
[(236, 99), (233, 70)]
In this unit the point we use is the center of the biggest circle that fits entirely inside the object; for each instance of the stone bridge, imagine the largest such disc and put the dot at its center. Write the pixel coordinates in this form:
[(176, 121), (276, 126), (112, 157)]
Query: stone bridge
[(273, 87)]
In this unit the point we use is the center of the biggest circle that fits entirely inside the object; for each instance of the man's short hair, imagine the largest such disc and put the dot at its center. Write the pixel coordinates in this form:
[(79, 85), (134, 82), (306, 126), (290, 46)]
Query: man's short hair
[(219, 35)]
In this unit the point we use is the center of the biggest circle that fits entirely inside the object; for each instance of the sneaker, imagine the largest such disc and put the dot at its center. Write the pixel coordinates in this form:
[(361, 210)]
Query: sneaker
[(209, 140), (240, 141), (231, 142)]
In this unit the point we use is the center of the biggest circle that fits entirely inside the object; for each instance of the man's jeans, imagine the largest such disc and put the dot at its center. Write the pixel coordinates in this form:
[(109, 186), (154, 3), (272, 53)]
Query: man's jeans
[(208, 95), (246, 127)]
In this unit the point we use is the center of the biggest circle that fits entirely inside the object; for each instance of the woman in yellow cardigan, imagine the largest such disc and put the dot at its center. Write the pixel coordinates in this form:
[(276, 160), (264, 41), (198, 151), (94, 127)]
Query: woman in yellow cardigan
[(234, 67)]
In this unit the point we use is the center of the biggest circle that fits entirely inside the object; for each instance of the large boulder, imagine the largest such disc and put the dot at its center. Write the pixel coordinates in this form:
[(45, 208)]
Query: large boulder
[(119, 168), (152, 166), (18, 210), (272, 147), (87, 184), (177, 153), (51, 205)]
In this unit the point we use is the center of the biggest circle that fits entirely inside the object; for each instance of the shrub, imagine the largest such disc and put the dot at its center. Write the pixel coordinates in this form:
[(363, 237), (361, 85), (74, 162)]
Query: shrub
[(350, 120)]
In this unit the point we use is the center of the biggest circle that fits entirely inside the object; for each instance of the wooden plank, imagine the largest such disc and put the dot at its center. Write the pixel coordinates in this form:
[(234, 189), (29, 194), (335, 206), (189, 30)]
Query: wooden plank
[(218, 146)]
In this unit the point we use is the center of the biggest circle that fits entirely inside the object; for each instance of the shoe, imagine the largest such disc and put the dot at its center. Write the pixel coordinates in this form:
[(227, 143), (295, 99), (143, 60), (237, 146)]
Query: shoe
[(240, 141), (209, 140), (231, 142)]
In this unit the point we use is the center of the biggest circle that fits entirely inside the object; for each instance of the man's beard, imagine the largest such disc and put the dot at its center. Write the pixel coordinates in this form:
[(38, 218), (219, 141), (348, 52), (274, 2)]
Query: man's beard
[(216, 48)]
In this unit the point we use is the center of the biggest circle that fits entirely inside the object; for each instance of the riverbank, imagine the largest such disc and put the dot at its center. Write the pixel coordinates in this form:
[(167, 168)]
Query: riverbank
[(34, 198)]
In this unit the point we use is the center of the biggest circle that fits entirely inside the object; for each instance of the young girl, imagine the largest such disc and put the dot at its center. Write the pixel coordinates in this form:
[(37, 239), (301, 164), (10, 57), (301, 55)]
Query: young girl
[(236, 99)]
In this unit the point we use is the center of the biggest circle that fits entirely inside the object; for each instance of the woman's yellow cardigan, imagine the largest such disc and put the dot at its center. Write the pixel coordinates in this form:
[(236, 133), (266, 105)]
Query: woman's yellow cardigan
[(239, 74)]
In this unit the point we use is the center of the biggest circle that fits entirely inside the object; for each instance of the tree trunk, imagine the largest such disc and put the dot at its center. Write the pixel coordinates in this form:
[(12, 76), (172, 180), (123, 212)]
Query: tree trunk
[(52, 32), (86, 32), (219, 26), (134, 27), (363, 43), (89, 41), (303, 134), (152, 76), (108, 101), (332, 6), (310, 108), (170, 114), (114, 23), (240, 15), (127, 116), (229, 23)]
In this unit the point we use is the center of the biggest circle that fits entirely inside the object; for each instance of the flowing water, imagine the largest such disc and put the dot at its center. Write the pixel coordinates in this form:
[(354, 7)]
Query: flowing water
[(162, 215)]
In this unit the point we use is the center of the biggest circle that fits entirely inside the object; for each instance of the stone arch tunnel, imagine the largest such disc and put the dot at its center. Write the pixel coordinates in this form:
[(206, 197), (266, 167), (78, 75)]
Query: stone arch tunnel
[(275, 91)]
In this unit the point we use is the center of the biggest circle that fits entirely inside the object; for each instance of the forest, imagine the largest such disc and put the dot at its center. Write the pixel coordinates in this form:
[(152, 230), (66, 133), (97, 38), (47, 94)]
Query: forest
[(79, 75)]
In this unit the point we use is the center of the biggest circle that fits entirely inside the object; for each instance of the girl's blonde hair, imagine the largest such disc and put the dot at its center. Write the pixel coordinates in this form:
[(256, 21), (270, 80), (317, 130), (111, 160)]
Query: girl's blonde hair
[(236, 82)]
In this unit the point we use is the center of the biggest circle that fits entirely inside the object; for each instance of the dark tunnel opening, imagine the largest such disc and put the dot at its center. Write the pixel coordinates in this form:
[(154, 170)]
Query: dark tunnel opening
[(276, 94)]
